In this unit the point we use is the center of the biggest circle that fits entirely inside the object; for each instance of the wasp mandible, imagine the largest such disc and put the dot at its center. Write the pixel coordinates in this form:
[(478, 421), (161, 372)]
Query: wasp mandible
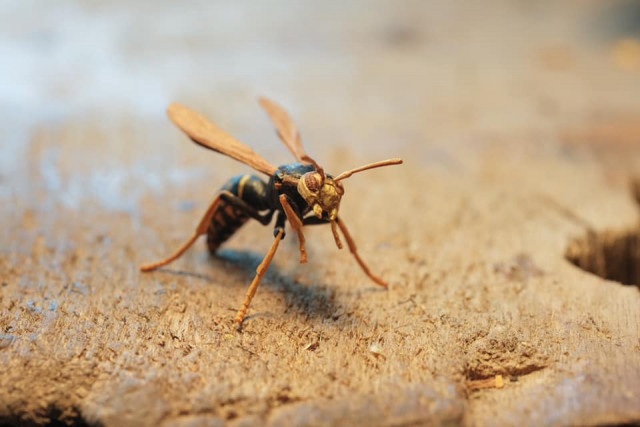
[(301, 193)]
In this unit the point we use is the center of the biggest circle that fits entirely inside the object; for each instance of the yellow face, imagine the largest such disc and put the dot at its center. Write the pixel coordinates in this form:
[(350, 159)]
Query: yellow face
[(321, 196)]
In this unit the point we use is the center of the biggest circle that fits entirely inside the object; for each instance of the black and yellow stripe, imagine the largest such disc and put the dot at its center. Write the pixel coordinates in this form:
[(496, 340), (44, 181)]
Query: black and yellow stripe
[(227, 218)]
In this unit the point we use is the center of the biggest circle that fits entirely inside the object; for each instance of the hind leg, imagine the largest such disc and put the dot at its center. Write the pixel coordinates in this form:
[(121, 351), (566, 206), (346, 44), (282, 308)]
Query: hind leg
[(200, 230), (224, 196)]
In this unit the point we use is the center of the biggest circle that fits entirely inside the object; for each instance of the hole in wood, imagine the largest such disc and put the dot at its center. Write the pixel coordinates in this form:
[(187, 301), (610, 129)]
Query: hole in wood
[(51, 415), (611, 255)]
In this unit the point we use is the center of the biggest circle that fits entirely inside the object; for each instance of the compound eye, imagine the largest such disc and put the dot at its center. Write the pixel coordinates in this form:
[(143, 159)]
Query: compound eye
[(313, 181)]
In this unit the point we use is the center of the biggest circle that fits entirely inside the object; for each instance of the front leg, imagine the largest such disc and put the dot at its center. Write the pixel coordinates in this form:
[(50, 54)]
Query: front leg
[(354, 251), (296, 224), (314, 220)]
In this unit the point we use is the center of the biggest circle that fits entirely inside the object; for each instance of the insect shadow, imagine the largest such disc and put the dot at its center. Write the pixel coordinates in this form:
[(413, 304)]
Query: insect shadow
[(313, 300), (184, 273)]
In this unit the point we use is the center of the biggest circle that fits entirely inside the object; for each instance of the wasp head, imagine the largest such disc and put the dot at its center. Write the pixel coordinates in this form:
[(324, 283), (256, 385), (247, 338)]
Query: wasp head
[(321, 192)]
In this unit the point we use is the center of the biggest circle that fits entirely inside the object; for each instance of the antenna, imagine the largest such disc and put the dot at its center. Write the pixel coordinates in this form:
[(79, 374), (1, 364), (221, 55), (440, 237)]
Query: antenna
[(347, 174)]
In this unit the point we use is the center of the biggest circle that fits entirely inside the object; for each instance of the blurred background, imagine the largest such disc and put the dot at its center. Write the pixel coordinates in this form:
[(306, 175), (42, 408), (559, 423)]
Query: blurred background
[(385, 77)]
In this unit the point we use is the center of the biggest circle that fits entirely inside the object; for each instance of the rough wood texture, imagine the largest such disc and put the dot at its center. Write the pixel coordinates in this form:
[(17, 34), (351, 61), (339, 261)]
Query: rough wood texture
[(518, 122)]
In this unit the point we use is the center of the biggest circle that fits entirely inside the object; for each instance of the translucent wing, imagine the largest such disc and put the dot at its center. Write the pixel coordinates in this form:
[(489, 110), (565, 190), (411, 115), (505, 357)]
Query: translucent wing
[(205, 133), (287, 131)]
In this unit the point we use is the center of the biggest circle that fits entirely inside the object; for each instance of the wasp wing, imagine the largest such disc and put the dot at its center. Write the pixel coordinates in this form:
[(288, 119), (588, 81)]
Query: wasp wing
[(287, 131), (205, 133)]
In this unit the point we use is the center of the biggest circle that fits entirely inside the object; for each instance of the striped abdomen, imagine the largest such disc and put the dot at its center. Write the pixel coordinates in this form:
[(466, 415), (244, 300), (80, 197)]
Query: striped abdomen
[(227, 218)]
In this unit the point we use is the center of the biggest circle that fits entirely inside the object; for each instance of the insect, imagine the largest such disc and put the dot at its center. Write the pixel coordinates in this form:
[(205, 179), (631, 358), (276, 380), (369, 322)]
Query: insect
[(301, 193)]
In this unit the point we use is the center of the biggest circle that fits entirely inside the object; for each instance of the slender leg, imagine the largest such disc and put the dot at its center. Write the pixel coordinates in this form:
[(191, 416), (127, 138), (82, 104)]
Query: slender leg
[(314, 220), (261, 271), (296, 224), (200, 230), (354, 250), (336, 236)]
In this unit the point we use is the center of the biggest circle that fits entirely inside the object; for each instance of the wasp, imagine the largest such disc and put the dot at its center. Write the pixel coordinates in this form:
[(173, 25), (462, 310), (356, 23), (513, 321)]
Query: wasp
[(301, 193)]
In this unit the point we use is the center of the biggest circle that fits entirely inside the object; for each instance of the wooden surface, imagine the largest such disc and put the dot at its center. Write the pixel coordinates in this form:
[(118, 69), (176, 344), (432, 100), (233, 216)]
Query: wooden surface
[(518, 122)]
